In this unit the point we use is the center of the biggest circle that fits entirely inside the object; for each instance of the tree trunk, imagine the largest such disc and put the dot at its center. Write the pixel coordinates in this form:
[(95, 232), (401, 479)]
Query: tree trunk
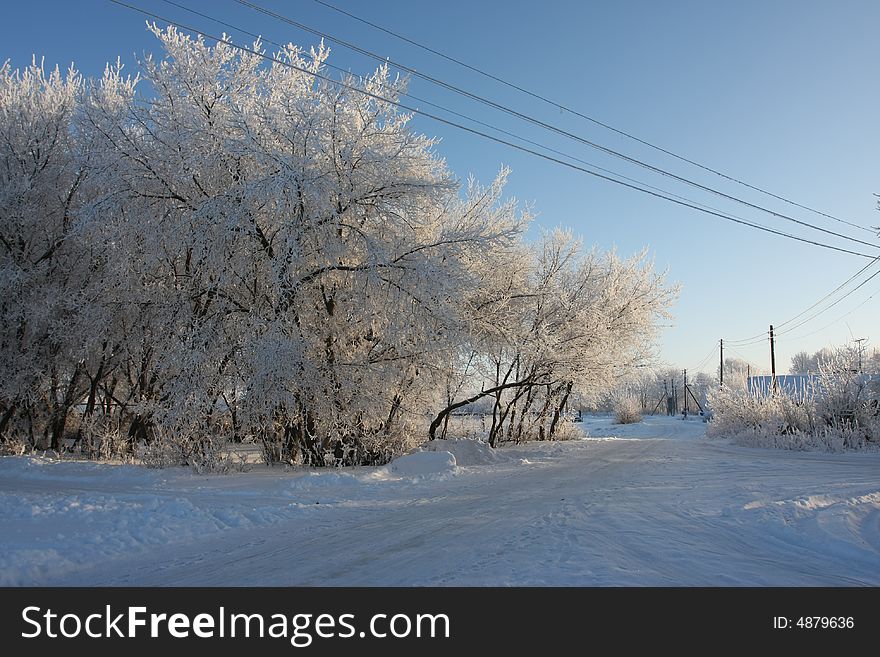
[(560, 409), (140, 429), (437, 421), (530, 397), (4, 420), (543, 414), (59, 416)]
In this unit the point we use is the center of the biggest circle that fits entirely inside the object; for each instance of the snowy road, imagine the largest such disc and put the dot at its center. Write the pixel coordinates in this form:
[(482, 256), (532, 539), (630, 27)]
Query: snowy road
[(659, 505)]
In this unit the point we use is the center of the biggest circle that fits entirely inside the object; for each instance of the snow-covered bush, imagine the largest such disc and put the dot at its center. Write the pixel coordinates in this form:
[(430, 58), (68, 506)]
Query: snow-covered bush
[(14, 444), (846, 404), (99, 437), (837, 413), (205, 454), (627, 409), (779, 420), (568, 430)]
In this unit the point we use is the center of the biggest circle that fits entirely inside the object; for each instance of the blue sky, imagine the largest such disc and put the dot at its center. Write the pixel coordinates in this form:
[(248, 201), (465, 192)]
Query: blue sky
[(781, 94)]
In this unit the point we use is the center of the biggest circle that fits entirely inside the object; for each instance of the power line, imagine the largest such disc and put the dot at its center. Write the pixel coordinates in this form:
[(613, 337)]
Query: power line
[(830, 306), (547, 126), (746, 360), (827, 308), (761, 336), (758, 340), (465, 116), (834, 291), (832, 323), (637, 187), (458, 114), (705, 360), (585, 116), (749, 340)]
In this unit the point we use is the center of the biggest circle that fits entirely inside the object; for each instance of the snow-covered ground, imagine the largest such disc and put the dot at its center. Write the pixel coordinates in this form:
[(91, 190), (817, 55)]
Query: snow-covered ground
[(648, 504)]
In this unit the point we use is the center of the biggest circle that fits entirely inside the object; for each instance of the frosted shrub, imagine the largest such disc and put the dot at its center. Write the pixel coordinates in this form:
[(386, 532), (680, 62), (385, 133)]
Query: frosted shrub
[(780, 420), (569, 431), (840, 413), (376, 447), (15, 445), (99, 437), (627, 409), (201, 452), (734, 410), (845, 403), (373, 448)]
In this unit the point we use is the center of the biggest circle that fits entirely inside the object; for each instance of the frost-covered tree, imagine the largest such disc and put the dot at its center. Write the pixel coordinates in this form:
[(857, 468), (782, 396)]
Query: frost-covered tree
[(283, 249), (736, 371), (871, 363), (225, 248), (42, 169), (561, 321), (806, 363)]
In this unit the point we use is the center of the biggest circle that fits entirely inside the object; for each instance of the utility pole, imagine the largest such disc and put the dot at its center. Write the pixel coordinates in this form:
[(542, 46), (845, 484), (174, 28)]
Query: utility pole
[(685, 394), (721, 369), (772, 360), (860, 341)]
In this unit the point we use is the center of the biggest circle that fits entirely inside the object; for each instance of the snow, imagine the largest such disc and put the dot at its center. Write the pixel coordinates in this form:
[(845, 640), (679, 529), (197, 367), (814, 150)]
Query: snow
[(466, 452), (424, 463), (654, 503)]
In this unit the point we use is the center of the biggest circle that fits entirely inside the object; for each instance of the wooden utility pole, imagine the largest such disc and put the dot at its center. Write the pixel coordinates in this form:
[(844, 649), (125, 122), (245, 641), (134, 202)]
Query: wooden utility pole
[(721, 369), (772, 360), (685, 393)]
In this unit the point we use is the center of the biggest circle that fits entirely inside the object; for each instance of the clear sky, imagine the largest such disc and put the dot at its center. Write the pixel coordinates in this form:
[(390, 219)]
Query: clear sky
[(781, 94)]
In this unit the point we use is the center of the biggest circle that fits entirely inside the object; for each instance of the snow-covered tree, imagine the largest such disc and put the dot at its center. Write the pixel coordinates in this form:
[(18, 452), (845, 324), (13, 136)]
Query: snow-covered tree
[(871, 363), (225, 248), (736, 371), (42, 168), (291, 251), (806, 363), (562, 321)]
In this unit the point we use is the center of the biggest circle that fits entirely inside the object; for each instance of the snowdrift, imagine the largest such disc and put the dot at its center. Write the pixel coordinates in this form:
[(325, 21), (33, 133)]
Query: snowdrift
[(466, 452), (420, 464)]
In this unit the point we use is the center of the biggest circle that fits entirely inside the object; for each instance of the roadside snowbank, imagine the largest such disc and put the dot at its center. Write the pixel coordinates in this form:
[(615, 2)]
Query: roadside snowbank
[(465, 451), (420, 464)]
